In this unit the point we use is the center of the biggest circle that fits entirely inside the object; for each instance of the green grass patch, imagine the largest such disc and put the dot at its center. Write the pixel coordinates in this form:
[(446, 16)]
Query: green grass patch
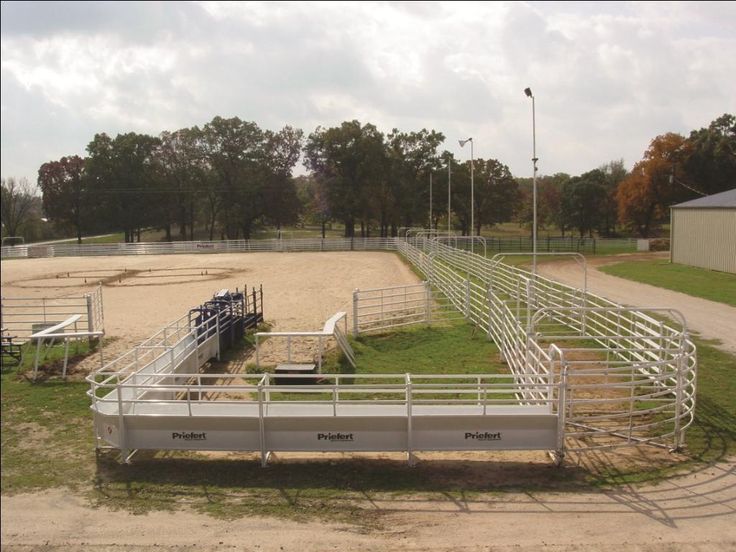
[(46, 431), (698, 282), (111, 238)]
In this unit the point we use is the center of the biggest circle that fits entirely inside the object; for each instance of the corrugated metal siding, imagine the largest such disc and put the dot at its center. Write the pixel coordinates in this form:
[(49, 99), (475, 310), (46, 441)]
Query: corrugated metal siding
[(704, 238)]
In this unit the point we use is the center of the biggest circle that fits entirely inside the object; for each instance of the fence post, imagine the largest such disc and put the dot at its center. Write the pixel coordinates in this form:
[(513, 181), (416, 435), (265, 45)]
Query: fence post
[(467, 297), (678, 398), (427, 303), (409, 428), (489, 297), (355, 312), (90, 319), (561, 413)]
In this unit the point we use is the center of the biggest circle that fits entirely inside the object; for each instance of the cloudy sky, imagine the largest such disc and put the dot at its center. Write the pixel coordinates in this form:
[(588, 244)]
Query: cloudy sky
[(607, 77)]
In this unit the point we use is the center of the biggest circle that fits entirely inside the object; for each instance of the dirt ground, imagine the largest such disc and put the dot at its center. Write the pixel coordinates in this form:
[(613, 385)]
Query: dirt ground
[(141, 294)]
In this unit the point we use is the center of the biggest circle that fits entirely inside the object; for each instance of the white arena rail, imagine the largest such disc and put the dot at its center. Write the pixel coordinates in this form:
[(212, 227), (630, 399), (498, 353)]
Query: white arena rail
[(225, 246)]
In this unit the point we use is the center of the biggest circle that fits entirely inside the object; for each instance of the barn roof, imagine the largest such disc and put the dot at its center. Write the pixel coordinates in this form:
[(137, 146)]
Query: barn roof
[(725, 199)]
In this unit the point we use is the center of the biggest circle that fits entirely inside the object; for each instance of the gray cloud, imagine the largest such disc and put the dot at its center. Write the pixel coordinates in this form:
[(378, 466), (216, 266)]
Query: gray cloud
[(607, 77)]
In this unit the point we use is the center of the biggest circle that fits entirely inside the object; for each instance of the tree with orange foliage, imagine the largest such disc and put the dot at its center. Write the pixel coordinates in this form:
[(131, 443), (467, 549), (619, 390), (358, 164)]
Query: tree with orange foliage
[(646, 194)]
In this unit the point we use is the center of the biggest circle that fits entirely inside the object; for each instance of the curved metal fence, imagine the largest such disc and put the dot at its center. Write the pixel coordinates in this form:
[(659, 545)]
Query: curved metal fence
[(630, 371)]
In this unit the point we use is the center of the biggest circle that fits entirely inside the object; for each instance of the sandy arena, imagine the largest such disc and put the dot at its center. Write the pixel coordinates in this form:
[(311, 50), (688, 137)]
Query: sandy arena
[(143, 294)]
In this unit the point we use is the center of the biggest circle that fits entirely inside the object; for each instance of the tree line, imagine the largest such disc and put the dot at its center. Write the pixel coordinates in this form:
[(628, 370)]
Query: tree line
[(612, 201), (230, 177)]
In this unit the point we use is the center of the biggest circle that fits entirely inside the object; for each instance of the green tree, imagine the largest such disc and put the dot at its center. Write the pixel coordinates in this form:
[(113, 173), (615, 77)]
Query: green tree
[(351, 162), (234, 151), (496, 193), (16, 205), (66, 196), (123, 179), (181, 174), (582, 201), (282, 150), (709, 164), (615, 173), (412, 156)]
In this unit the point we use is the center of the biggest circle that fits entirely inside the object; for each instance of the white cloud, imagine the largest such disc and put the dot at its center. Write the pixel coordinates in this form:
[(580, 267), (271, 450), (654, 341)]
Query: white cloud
[(607, 78)]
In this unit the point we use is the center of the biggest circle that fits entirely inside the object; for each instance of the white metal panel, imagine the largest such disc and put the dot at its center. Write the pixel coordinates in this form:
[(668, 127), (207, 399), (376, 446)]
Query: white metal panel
[(704, 238)]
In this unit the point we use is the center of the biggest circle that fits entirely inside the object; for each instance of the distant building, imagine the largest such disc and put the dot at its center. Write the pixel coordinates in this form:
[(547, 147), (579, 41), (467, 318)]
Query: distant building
[(703, 232)]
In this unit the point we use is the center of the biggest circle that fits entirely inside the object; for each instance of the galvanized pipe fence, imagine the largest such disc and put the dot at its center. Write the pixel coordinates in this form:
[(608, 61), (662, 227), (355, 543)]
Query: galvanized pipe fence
[(632, 370), (23, 316), (414, 235)]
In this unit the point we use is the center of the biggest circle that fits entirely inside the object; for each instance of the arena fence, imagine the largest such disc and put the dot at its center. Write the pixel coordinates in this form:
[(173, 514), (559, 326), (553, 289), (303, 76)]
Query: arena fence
[(170, 248), (584, 374), (476, 244), (632, 370)]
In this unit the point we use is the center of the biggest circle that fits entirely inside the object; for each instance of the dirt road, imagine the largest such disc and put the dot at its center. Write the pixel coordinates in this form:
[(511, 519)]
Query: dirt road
[(696, 512), (709, 319)]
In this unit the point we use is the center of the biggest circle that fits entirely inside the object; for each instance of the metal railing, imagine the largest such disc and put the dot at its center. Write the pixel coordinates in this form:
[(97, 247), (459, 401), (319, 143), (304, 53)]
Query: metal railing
[(227, 246), (395, 306), (414, 236), (23, 316), (331, 329), (612, 375), (632, 370)]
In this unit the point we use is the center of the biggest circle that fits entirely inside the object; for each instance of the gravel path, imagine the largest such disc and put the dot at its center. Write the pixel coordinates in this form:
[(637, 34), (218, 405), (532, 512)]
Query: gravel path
[(709, 319)]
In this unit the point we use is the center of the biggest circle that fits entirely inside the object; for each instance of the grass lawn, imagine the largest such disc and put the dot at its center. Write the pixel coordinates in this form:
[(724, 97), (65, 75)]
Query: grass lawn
[(698, 282)]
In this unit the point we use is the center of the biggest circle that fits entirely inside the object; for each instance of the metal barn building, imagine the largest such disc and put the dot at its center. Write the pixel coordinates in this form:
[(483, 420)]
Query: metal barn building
[(703, 232)]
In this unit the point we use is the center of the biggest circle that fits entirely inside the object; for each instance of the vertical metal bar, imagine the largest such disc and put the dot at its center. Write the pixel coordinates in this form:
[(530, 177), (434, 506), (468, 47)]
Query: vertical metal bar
[(258, 362), (66, 357), (678, 400), (90, 317), (217, 333), (467, 297), (355, 311), (261, 427), (35, 362), (409, 435), (122, 437), (428, 302), (561, 412)]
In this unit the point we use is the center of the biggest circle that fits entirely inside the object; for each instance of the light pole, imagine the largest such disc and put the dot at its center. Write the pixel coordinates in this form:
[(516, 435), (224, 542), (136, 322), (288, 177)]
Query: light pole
[(449, 194), (430, 201), (472, 195), (528, 92)]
